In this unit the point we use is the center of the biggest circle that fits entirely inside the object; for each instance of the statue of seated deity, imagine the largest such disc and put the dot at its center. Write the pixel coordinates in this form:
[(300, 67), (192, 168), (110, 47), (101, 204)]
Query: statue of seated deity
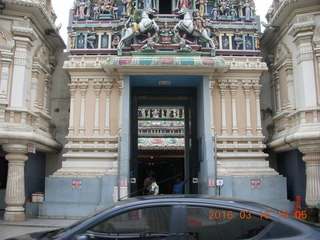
[(106, 7)]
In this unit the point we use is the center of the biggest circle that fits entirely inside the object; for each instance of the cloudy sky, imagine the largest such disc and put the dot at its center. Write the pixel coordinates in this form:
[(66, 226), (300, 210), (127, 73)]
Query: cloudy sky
[(61, 7)]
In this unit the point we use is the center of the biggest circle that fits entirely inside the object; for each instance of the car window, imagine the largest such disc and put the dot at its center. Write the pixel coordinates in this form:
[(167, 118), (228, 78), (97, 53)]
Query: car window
[(151, 222), (222, 224)]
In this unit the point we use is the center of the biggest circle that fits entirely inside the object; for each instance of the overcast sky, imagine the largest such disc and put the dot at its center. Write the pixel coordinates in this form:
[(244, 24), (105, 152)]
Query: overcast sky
[(61, 7)]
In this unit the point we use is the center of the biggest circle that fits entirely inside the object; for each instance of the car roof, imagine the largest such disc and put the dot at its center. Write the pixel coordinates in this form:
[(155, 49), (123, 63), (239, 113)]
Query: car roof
[(213, 199)]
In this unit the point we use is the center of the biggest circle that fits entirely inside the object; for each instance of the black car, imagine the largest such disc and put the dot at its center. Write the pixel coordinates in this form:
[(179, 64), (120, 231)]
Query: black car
[(185, 217)]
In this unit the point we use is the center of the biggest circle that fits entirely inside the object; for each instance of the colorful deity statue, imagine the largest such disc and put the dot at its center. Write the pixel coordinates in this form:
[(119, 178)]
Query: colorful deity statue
[(215, 11), (106, 6), (199, 22), (183, 3), (247, 7), (202, 5), (129, 6)]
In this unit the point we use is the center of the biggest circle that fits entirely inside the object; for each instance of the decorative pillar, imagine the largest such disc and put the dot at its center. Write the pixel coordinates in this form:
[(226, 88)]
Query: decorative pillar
[(290, 84), (120, 86), (71, 119), (83, 91), (233, 84), (212, 84), (230, 40), (6, 59), (223, 85), (311, 152), (247, 90), (97, 90), (34, 88), (277, 92), (15, 191), (46, 93), (107, 88), (303, 34), (257, 88)]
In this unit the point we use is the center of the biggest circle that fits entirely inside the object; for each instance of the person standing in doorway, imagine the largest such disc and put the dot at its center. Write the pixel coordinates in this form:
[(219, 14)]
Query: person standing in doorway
[(147, 183), (154, 190), (179, 186)]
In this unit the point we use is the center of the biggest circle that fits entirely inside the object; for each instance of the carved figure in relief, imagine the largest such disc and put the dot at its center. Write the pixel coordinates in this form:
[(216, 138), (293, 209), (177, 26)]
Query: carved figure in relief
[(187, 25), (202, 4), (145, 25), (183, 43), (215, 11), (82, 7), (199, 22), (248, 43), (96, 11), (247, 7), (106, 6), (115, 41), (257, 40), (225, 42), (72, 39), (129, 6), (149, 45), (183, 3), (238, 39), (233, 13)]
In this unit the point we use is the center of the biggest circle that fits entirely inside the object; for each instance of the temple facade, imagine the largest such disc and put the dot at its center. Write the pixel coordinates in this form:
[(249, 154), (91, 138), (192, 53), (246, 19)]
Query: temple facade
[(291, 42), (162, 89), (29, 56)]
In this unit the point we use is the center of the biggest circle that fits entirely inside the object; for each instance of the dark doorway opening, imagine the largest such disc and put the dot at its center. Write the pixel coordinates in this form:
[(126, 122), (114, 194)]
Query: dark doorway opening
[(165, 6), (165, 167), (169, 151), (3, 172)]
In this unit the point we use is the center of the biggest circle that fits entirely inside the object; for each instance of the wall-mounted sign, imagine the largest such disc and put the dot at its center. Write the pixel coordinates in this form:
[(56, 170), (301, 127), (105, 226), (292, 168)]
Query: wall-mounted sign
[(219, 182), (211, 183), (133, 180), (31, 148), (123, 182), (195, 180), (76, 184), (255, 183)]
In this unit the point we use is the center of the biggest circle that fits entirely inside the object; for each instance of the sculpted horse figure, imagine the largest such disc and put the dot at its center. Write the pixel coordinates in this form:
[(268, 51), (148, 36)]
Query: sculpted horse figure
[(145, 25), (187, 25)]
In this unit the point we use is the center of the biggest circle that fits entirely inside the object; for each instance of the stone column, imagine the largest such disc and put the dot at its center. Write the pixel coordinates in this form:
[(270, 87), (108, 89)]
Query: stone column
[(257, 88), (311, 152), (71, 119), (233, 84), (212, 84), (97, 90), (290, 84), (247, 90), (303, 33), (15, 191), (83, 91), (6, 59), (277, 92), (46, 93), (120, 86), (107, 88), (223, 86)]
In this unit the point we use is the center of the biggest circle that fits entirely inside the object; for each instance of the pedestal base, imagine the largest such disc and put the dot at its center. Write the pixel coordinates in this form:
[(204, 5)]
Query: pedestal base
[(14, 216)]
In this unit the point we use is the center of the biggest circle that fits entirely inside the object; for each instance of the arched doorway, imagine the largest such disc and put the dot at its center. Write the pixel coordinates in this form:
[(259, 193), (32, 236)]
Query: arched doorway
[(163, 137)]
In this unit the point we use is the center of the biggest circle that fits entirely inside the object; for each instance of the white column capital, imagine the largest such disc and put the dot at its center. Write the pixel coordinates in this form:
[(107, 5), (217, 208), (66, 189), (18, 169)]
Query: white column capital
[(311, 152), (15, 148)]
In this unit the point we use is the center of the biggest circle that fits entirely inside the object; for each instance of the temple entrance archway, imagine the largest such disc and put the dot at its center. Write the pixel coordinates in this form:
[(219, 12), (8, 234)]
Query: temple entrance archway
[(163, 138)]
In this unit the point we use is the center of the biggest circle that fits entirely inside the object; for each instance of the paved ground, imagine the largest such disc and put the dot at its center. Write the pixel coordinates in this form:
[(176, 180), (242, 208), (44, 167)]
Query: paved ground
[(13, 229)]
